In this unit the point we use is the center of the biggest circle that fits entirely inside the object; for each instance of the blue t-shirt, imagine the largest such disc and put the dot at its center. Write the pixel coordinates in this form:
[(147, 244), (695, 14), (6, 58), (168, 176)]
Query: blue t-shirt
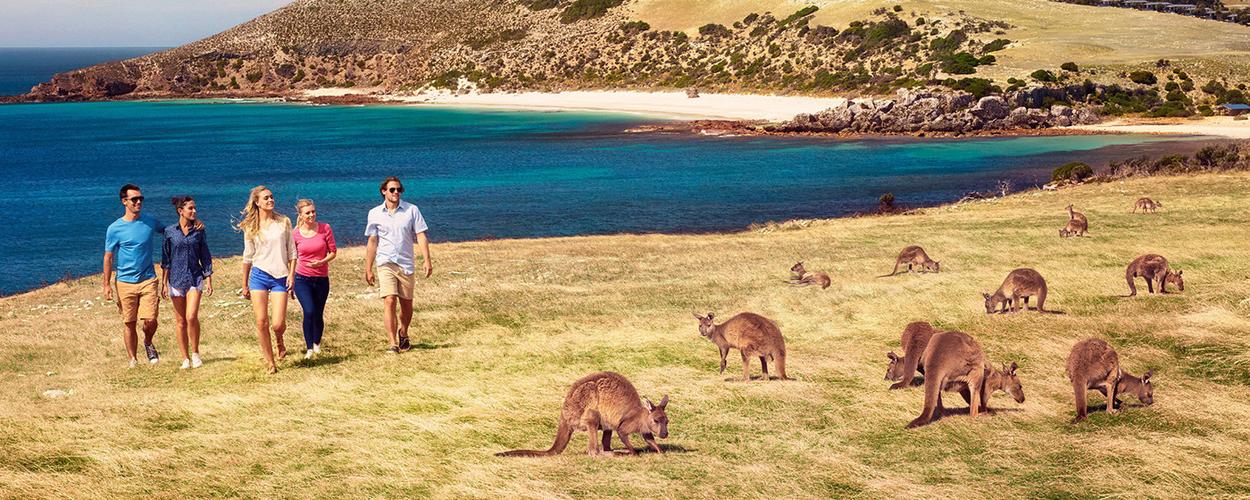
[(131, 245)]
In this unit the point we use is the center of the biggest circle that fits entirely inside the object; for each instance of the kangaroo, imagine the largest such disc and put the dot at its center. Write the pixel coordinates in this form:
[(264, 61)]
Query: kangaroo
[(1147, 205), (1074, 215), (1093, 364), (1015, 291), (752, 335), (1157, 273), (914, 339), (1075, 227), (914, 256), (950, 358), (605, 401), (800, 276)]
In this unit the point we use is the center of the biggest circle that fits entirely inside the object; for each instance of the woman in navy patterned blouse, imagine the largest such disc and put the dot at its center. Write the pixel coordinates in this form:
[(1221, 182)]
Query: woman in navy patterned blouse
[(186, 273)]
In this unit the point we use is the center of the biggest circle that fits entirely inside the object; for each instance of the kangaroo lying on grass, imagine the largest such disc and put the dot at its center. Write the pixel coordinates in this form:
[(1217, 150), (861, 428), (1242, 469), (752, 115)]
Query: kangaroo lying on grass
[(800, 276), (753, 335), (1157, 273), (1093, 364), (954, 362), (605, 401), (914, 339), (1147, 205), (1015, 291), (914, 256)]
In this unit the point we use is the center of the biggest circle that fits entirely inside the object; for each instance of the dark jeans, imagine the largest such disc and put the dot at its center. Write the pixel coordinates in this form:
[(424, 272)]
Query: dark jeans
[(312, 292)]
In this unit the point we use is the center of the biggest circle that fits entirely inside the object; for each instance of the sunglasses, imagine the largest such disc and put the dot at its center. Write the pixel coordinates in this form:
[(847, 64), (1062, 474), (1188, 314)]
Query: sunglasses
[(135, 199), (395, 190)]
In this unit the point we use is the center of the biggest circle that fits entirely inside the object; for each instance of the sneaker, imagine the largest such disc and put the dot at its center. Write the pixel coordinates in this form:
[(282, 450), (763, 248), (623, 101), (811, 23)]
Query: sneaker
[(393, 349), (153, 356), (133, 362), (317, 348), (404, 345), (196, 362), (186, 363), (308, 354)]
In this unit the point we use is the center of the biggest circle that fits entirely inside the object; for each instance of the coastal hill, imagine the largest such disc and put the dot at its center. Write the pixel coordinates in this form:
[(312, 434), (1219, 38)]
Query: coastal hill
[(818, 47), (505, 326)]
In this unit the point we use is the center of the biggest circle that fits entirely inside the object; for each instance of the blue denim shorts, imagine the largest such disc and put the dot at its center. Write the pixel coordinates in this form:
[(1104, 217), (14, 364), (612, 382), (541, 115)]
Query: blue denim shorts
[(262, 281)]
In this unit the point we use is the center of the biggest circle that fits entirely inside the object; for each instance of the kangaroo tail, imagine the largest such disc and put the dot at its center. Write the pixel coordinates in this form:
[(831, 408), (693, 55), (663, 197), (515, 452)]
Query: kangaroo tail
[(1132, 287), (892, 273), (562, 440)]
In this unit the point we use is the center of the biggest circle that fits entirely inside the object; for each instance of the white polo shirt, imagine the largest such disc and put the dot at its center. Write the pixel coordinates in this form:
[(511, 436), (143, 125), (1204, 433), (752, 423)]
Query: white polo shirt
[(396, 232)]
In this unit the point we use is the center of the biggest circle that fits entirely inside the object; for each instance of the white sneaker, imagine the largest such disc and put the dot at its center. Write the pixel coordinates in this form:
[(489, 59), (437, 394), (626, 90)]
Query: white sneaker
[(195, 360), (133, 362), (317, 348), (186, 363), (308, 354)]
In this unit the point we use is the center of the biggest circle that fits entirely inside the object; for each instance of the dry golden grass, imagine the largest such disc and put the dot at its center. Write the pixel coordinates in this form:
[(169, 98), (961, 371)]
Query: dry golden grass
[(1046, 34), (504, 326)]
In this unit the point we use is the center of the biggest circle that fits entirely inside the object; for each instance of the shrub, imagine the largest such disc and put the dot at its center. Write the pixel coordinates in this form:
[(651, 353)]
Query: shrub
[(978, 87), (1206, 110), (1042, 75), (920, 21), (801, 13), (1075, 171), (586, 9), (1170, 109), (962, 63), (714, 30), (996, 45), (987, 60), (1143, 77), (1069, 66), (543, 4), (948, 43), (254, 77), (898, 8), (635, 27)]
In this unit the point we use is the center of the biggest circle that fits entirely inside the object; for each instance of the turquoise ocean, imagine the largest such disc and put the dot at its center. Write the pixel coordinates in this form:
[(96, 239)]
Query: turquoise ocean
[(475, 174)]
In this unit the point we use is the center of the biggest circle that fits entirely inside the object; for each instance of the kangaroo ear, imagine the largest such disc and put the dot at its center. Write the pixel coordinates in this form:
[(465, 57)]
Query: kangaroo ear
[(1013, 368), (986, 295), (664, 401), (710, 316), (650, 407), (1178, 273), (1146, 377), (892, 356)]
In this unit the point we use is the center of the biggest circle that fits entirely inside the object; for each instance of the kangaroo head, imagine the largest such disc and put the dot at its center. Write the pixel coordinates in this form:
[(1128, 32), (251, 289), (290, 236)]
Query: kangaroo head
[(657, 419), (933, 266), (1175, 278), (706, 326), (1146, 391), (798, 268), (895, 371), (1011, 382), (991, 302), (1158, 203)]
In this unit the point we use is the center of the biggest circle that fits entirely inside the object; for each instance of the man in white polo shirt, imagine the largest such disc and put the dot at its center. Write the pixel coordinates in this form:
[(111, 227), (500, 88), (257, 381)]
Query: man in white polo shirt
[(394, 228)]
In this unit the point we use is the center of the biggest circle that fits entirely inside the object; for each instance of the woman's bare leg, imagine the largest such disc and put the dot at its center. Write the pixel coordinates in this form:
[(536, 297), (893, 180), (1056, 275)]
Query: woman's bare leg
[(278, 320), (193, 320), (260, 307), (180, 323)]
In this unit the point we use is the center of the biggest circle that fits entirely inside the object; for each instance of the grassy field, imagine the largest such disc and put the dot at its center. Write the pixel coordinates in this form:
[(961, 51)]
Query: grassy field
[(1046, 34), (505, 326)]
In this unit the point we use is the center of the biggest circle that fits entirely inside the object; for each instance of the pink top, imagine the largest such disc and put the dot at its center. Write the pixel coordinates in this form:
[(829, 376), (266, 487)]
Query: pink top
[(314, 248)]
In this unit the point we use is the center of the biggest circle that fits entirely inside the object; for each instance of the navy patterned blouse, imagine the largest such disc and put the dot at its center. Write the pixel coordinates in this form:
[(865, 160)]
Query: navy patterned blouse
[(185, 257)]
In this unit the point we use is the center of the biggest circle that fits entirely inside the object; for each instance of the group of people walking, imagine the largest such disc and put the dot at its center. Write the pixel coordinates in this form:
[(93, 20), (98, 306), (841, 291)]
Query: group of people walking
[(278, 258)]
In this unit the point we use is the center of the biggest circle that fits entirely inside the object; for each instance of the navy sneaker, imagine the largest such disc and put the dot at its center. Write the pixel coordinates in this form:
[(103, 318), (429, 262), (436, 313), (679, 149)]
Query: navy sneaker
[(153, 356), (404, 345)]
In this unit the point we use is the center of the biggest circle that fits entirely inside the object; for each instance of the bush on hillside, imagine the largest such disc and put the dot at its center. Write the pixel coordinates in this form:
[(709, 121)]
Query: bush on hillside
[(978, 87), (587, 9), (1042, 75), (1069, 66), (995, 45), (1075, 171), (1143, 77), (962, 63), (801, 13), (712, 30)]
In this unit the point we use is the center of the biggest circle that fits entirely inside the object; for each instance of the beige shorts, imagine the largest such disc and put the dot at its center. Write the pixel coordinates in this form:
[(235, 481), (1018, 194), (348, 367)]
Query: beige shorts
[(137, 300), (392, 280)]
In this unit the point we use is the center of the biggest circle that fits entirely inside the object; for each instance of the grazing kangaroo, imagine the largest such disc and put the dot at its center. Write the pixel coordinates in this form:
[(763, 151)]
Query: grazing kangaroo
[(1157, 273), (1093, 364), (800, 276), (914, 339), (955, 362), (753, 335), (914, 256), (605, 401), (1147, 205), (1015, 291), (1075, 227)]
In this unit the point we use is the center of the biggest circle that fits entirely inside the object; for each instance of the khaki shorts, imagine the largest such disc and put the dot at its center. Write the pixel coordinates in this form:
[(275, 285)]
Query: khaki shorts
[(137, 300), (392, 280)]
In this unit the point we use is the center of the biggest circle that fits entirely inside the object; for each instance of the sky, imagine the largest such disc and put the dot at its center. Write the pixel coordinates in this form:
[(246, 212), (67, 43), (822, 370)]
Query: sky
[(121, 23)]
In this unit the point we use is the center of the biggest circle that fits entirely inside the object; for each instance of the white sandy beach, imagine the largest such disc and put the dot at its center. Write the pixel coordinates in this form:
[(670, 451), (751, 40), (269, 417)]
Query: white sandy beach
[(1220, 126), (658, 104)]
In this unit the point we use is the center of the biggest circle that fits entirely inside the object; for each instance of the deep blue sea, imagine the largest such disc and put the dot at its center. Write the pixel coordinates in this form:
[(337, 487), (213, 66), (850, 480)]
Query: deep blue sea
[(475, 174), (23, 68)]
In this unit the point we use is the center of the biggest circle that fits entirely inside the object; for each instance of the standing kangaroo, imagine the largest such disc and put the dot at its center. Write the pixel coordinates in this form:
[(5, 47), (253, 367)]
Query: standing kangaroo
[(1093, 364), (914, 256), (605, 401), (1074, 215), (753, 335), (1077, 224), (1015, 291), (1157, 273), (1147, 205), (953, 361), (914, 339), (800, 276)]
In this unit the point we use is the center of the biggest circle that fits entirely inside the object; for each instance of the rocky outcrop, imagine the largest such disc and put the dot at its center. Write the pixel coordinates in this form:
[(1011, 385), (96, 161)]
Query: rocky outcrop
[(921, 111)]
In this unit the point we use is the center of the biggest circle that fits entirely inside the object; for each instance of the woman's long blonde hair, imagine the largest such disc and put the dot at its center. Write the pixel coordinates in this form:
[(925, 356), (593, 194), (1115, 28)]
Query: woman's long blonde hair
[(299, 210), (250, 225)]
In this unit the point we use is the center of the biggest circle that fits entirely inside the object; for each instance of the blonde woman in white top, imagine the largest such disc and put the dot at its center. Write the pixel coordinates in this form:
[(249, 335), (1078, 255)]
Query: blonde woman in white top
[(268, 268)]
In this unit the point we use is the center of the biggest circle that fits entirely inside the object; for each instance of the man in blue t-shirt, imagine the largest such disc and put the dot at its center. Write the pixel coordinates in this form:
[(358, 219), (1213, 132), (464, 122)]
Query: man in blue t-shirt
[(128, 251)]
